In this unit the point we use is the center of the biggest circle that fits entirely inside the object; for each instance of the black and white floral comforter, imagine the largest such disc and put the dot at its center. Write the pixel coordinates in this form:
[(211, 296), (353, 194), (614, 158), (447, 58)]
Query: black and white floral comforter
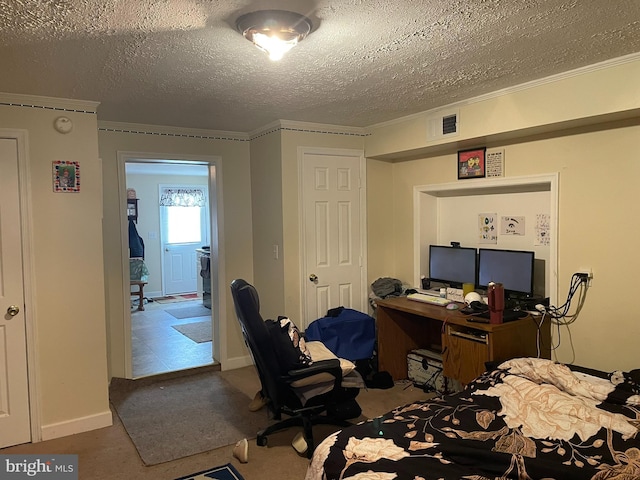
[(528, 419)]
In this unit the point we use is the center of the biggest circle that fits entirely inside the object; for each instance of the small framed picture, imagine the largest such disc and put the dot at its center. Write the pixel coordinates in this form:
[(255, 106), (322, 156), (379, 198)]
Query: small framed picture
[(66, 176), (472, 163)]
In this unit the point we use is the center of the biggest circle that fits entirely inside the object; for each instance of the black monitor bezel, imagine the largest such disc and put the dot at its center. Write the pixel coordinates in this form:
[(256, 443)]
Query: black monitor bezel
[(510, 291), (453, 283)]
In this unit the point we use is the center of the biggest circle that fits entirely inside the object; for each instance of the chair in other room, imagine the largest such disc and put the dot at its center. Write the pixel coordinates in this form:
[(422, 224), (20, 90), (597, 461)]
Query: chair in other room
[(287, 392)]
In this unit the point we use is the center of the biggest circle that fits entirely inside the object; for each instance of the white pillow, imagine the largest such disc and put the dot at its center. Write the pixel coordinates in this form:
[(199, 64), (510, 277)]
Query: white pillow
[(320, 352)]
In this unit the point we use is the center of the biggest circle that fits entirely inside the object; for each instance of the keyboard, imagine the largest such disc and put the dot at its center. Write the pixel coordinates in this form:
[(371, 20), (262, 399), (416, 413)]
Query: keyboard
[(421, 297)]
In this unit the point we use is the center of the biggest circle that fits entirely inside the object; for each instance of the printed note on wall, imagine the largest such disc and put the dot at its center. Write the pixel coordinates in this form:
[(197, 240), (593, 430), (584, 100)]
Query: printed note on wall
[(487, 228), (512, 225), (494, 163), (542, 229)]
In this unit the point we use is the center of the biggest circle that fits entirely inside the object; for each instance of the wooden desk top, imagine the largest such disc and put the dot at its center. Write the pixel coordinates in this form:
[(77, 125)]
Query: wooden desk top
[(455, 317)]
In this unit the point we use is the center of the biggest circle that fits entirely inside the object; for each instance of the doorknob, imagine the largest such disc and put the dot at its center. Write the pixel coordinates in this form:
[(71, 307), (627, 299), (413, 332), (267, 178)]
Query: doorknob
[(13, 310), (313, 278)]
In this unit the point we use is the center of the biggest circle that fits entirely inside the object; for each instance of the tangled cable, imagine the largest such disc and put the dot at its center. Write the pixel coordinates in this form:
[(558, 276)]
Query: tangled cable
[(560, 315)]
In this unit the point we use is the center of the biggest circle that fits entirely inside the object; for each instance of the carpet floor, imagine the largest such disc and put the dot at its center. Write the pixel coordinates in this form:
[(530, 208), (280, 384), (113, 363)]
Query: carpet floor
[(109, 454), (183, 416)]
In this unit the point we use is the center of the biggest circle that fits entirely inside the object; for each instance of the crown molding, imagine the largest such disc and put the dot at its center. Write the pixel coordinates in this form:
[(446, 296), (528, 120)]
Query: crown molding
[(168, 131), (614, 62), (49, 103), (307, 127)]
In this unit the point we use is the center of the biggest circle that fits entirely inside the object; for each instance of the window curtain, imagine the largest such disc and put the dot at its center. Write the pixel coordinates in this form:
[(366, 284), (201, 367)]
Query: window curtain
[(182, 197)]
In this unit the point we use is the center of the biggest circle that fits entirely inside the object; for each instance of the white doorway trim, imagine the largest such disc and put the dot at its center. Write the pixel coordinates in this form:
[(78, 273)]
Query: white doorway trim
[(26, 222), (218, 292), (302, 151)]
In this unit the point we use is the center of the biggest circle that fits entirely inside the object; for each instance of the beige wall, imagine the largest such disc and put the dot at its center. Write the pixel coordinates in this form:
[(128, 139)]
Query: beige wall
[(597, 185), (589, 95), (67, 276), (266, 204), (596, 162), (235, 222), (381, 252)]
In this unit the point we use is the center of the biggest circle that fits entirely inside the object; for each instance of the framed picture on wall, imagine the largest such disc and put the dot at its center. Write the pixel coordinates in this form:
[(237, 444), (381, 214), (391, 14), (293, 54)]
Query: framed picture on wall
[(66, 176), (472, 163)]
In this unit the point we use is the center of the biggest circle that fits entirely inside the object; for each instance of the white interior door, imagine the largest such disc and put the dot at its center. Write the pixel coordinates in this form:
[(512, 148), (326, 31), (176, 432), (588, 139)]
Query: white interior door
[(333, 272), (180, 274), (14, 393)]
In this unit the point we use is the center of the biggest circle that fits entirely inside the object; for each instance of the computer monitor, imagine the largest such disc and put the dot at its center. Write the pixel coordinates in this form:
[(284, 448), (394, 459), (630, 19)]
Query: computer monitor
[(512, 268), (452, 265)]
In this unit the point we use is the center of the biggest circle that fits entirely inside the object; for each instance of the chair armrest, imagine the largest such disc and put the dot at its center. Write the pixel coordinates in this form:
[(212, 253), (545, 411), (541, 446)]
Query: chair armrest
[(331, 367)]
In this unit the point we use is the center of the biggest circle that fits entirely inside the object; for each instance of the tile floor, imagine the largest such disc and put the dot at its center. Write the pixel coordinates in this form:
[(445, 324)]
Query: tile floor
[(158, 348)]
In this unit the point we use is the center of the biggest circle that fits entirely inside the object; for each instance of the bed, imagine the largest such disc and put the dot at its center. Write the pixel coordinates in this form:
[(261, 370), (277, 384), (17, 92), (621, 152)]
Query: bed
[(526, 419)]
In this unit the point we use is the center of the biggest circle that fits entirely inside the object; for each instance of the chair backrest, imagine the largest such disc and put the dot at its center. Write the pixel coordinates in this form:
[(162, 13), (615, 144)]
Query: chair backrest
[(258, 340)]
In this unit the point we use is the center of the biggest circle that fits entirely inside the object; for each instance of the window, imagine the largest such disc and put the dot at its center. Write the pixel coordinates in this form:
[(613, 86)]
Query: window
[(183, 211), (183, 224)]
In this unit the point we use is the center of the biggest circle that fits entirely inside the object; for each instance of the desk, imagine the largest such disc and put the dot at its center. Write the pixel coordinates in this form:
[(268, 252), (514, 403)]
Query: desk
[(405, 325)]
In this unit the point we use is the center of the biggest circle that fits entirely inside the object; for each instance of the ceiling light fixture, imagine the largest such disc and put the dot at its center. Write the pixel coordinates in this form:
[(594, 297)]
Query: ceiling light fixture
[(274, 31)]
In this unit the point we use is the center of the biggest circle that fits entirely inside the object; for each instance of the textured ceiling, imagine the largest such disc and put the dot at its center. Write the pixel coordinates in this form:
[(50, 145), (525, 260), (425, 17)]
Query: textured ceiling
[(181, 62)]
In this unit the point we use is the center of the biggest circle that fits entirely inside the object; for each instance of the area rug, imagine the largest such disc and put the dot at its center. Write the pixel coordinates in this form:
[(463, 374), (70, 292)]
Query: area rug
[(189, 312), (179, 417), (199, 332), (225, 472), (176, 298)]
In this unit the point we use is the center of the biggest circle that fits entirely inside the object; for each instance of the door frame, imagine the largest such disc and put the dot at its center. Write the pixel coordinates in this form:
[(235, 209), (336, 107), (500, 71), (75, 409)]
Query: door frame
[(30, 314), (216, 221), (345, 152)]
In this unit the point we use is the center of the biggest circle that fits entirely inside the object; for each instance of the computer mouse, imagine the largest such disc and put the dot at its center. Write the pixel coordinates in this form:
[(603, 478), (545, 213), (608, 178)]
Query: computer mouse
[(452, 306)]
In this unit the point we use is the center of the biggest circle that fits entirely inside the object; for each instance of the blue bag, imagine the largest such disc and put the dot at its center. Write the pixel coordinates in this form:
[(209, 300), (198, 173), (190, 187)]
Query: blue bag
[(346, 332)]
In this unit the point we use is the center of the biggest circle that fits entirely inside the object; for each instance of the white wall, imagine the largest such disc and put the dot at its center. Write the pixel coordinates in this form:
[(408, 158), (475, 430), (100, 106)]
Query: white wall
[(456, 220)]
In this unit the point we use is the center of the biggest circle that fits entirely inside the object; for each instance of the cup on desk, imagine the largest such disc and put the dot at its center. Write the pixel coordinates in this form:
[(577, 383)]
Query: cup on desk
[(467, 288), (495, 295)]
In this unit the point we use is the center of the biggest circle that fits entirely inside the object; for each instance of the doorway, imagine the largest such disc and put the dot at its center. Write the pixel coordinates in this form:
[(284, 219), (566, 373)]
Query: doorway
[(333, 216), (19, 418), (184, 230), (159, 340), (15, 421)]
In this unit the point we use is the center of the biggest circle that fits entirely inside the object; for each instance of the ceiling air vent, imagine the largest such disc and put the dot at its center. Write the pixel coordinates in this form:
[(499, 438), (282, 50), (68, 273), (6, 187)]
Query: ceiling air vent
[(449, 124), (442, 124)]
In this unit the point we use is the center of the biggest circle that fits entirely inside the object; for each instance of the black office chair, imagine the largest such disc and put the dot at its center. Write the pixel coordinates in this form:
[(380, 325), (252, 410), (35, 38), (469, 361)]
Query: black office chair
[(277, 387)]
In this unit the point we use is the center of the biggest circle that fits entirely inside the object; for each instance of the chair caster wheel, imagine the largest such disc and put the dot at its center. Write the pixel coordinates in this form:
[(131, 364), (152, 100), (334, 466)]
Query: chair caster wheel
[(261, 441)]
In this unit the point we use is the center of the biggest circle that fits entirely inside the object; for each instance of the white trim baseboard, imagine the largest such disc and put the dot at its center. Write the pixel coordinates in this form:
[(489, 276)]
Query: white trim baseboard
[(237, 362), (77, 425)]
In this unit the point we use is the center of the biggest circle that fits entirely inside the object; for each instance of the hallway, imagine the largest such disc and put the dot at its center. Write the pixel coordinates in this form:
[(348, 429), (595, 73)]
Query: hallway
[(157, 347)]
